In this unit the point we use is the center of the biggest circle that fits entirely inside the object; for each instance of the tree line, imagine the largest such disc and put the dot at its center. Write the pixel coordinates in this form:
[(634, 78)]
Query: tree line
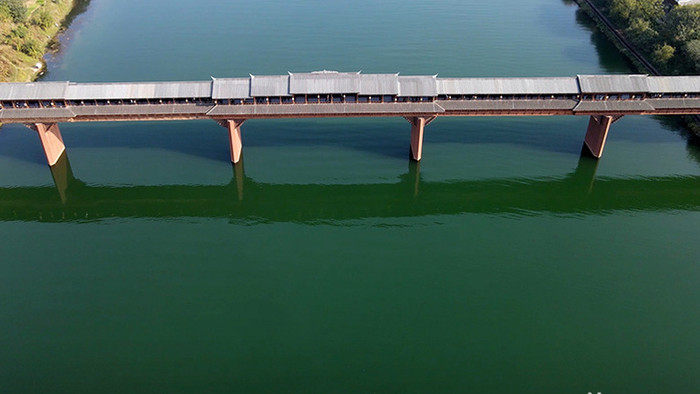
[(667, 35)]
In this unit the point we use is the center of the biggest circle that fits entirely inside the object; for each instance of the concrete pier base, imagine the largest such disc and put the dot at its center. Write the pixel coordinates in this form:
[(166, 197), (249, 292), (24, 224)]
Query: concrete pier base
[(234, 137), (51, 140), (418, 124), (597, 134)]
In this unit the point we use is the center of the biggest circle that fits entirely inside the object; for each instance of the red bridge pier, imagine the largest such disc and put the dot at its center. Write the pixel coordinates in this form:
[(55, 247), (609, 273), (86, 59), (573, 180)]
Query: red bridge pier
[(597, 134), (51, 140), (594, 142), (418, 124), (234, 137)]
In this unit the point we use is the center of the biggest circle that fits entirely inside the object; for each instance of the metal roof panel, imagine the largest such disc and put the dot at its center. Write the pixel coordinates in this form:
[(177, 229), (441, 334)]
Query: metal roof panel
[(614, 106), (152, 90), (328, 82), (327, 110), (674, 103), (231, 88), (269, 85), (613, 83), (501, 86), (417, 86), (379, 84), (32, 91), (681, 84), (511, 105)]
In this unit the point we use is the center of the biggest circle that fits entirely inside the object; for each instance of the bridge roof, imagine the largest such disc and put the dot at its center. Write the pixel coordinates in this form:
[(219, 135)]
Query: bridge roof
[(498, 86), (327, 82), (150, 90), (613, 83), (684, 84), (379, 84), (33, 90), (269, 85), (230, 88), (331, 82), (417, 86)]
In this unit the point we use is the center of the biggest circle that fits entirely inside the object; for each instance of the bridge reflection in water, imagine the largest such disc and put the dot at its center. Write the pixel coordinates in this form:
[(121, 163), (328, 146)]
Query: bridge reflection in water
[(579, 192)]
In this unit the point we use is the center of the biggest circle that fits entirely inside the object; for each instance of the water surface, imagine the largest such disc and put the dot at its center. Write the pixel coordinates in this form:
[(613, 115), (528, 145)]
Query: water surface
[(327, 262)]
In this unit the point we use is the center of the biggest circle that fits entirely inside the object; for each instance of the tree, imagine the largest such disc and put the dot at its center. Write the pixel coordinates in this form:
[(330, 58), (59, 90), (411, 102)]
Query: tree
[(650, 9), (622, 10), (642, 33), (625, 11), (692, 49), (663, 54), (683, 23), (17, 9)]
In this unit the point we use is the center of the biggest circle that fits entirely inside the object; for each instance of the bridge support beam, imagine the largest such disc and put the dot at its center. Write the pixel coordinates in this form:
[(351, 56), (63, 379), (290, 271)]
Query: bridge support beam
[(597, 134), (234, 137), (418, 124), (51, 140)]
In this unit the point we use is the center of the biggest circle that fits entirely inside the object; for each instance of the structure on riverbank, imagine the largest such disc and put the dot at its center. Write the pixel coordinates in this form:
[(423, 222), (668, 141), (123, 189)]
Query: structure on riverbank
[(419, 99)]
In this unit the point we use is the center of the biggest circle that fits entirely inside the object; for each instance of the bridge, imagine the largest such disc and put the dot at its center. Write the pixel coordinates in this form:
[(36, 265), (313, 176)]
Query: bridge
[(419, 99)]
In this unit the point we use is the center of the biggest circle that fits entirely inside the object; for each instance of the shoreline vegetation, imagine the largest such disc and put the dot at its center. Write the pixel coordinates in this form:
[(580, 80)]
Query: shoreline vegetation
[(658, 37), (29, 30)]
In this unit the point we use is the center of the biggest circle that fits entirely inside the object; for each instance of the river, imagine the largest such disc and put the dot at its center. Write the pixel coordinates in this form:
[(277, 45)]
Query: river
[(327, 262)]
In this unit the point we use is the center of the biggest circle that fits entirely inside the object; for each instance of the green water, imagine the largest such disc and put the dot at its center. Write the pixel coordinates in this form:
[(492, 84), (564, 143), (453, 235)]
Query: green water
[(503, 263)]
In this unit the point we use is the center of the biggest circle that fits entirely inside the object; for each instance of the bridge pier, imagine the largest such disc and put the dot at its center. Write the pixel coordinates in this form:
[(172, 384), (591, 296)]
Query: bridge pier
[(418, 124), (51, 140), (234, 137), (597, 134)]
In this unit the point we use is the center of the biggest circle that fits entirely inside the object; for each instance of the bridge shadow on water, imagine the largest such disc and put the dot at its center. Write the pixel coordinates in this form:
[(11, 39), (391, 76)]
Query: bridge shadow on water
[(244, 200)]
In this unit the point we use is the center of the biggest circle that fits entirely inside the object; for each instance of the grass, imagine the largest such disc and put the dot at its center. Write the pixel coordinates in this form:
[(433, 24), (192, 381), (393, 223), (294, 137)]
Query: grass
[(16, 66)]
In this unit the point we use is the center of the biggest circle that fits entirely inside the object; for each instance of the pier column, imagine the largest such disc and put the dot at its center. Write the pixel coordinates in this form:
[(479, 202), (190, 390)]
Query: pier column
[(597, 134), (51, 140), (418, 124), (234, 137)]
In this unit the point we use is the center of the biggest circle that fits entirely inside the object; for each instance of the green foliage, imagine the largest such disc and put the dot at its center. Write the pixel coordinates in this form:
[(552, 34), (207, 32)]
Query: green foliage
[(17, 9), (683, 23), (43, 19), (20, 31), (31, 47), (642, 33), (663, 54), (624, 11), (692, 51), (669, 37), (5, 14), (621, 10)]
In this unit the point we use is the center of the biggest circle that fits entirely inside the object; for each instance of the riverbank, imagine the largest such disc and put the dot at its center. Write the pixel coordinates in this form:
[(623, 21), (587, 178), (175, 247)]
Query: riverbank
[(621, 43), (635, 56), (29, 33)]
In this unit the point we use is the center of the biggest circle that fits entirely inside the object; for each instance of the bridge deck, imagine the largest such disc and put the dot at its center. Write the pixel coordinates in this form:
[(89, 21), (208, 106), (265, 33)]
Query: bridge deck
[(331, 94)]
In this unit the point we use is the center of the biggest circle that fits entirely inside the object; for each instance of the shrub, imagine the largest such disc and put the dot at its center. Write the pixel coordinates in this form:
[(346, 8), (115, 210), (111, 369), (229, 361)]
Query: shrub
[(17, 9), (5, 14), (43, 20), (31, 47), (19, 31), (663, 54)]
